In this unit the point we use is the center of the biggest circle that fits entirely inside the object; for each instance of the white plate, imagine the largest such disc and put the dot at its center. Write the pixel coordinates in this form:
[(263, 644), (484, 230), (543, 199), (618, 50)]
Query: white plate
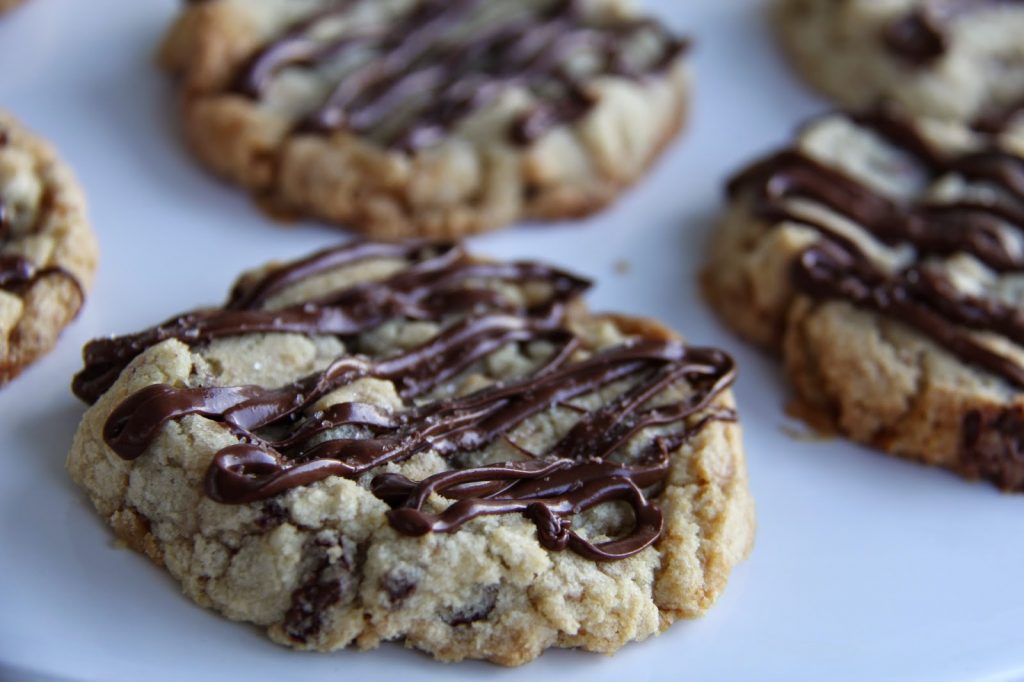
[(865, 568)]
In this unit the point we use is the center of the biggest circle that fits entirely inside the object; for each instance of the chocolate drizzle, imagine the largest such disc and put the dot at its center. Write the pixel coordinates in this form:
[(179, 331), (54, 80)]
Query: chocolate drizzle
[(426, 75), (921, 36), (433, 285), (836, 268), (284, 443), (18, 274), (916, 296)]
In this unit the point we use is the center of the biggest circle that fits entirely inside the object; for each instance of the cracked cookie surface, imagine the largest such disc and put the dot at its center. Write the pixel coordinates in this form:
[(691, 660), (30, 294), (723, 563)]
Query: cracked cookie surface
[(405, 442), (48, 252), (426, 117), (948, 59), (883, 257)]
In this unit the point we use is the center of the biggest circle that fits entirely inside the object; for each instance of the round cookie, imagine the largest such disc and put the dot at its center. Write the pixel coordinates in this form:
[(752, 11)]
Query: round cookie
[(320, 454), (48, 252), (427, 117), (9, 4), (883, 258), (944, 58)]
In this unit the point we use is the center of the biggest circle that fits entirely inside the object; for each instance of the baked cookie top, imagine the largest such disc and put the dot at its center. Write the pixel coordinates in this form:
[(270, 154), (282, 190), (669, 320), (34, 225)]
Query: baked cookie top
[(958, 59), (320, 455), (427, 117), (884, 257), (48, 252)]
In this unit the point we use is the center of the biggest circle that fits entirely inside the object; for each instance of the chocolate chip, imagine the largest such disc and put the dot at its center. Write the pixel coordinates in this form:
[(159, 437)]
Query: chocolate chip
[(398, 586), (331, 582), (917, 38), (305, 617), (993, 447), (531, 191), (272, 515), (475, 610)]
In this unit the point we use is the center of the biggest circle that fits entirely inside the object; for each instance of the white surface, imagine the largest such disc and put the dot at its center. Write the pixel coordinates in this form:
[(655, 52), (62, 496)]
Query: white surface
[(865, 568)]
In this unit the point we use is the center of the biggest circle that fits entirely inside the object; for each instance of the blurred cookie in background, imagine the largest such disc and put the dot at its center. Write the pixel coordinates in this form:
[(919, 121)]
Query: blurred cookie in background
[(48, 252), (883, 258), (428, 117), (950, 59)]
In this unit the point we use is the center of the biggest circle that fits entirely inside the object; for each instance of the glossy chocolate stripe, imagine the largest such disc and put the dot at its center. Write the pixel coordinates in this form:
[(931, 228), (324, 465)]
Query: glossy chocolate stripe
[(292, 48), (250, 407), (248, 472), (425, 70), (428, 288), (247, 295), (549, 492), (826, 271), (17, 274), (932, 229), (255, 469), (283, 443), (835, 268)]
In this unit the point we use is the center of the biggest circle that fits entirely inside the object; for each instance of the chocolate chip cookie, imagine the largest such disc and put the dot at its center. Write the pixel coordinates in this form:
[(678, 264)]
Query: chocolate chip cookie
[(431, 118), (48, 251), (882, 256), (956, 59), (401, 441)]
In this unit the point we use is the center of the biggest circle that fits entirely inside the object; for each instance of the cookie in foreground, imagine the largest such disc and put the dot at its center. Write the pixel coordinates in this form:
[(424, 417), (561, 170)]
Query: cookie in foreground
[(942, 58), (48, 252), (883, 258), (405, 442), (427, 118)]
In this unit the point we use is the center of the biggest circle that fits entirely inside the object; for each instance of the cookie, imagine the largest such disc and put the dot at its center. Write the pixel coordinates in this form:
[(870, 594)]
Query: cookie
[(883, 258), (48, 252), (404, 442), (9, 4), (950, 59), (427, 118)]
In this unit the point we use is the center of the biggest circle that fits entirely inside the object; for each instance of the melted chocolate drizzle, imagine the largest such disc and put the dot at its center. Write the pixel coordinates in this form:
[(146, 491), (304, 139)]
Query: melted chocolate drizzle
[(579, 472), (918, 295), (436, 78), (433, 285), (835, 268), (921, 36), (18, 274)]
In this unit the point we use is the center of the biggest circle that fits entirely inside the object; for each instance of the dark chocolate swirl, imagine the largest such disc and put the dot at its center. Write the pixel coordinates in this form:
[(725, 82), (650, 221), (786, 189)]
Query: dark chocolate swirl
[(426, 74), (283, 443), (921, 36), (835, 268)]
